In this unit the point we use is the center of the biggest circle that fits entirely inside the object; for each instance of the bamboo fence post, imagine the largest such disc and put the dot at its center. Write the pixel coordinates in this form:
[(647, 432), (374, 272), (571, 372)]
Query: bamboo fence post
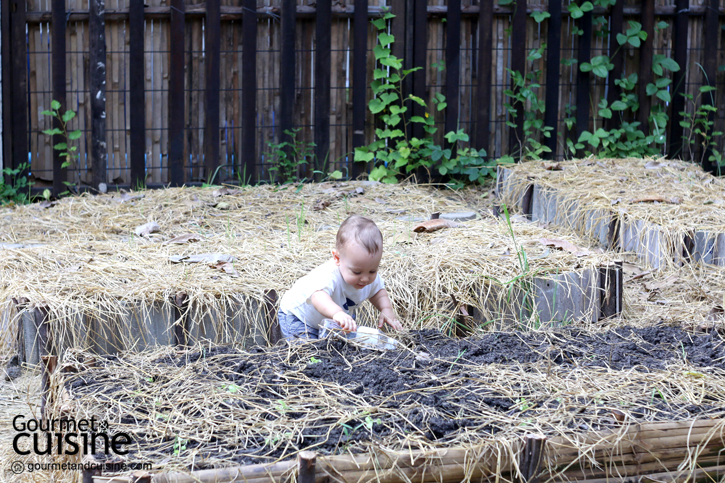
[(307, 462)]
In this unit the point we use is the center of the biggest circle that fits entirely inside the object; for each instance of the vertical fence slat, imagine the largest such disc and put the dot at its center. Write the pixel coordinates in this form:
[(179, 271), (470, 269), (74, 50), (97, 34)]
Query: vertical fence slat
[(137, 109), (212, 39), (483, 89), (679, 43), (712, 30), (7, 133), (397, 27), (583, 78), (420, 49), (287, 69), (359, 80), (553, 58), (453, 63), (616, 54), (323, 31), (176, 95), (249, 89), (97, 57), (58, 79), (518, 64), (646, 53)]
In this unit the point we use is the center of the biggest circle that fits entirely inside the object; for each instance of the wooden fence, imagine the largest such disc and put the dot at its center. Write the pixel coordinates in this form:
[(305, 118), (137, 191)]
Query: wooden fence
[(169, 91)]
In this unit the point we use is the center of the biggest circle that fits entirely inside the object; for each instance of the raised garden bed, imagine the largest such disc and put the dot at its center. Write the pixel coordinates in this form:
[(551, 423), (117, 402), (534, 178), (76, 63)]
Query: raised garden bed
[(667, 212), (622, 403)]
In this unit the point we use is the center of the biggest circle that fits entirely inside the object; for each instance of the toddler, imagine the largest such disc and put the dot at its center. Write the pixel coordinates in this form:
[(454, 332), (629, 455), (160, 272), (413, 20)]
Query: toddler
[(331, 290)]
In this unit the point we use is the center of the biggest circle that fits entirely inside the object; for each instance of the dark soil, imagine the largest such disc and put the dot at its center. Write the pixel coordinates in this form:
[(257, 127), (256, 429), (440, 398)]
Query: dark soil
[(432, 409)]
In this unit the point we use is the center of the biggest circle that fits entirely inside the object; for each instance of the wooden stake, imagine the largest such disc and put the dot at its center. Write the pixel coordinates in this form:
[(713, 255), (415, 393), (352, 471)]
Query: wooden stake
[(307, 462), (530, 458), (274, 334)]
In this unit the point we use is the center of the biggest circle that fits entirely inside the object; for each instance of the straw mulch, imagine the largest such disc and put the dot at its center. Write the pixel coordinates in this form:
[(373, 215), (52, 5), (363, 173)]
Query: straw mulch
[(662, 206), (81, 258), (217, 406)]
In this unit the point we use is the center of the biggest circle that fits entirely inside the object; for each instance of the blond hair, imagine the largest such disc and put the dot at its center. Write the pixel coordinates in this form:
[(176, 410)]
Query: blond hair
[(362, 230)]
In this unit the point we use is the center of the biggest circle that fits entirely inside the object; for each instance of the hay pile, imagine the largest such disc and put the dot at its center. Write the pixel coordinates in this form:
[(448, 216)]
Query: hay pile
[(675, 195), (81, 258), (217, 406), (668, 212)]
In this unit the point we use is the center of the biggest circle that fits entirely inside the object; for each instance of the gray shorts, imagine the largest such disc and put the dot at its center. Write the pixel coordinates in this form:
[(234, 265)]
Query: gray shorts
[(294, 329)]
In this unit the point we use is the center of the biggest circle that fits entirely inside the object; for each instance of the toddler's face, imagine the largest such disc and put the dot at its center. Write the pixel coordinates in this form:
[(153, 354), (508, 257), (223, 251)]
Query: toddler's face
[(357, 266)]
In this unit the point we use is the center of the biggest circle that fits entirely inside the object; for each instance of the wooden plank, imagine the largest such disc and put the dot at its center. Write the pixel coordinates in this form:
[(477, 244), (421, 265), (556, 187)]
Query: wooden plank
[(359, 74), (37, 104), (483, 89), (7, 81), (679, 78), (518, 58), (249, 90), (646, 52), (137, 94), (176, 95), (420, 48), (453, 64), (323, 27), (97, 49), (212, 46), (616, 21), (712, 30), (553, 60), (583, 78), (59, 94), (287, 70)]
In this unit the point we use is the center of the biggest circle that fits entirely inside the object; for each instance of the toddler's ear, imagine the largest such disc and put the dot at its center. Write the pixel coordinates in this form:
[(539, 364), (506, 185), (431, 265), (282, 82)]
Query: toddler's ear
[(336, 256)]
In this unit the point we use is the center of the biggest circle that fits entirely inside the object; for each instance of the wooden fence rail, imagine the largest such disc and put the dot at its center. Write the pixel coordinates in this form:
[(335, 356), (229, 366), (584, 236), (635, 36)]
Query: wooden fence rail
[(184, 91)]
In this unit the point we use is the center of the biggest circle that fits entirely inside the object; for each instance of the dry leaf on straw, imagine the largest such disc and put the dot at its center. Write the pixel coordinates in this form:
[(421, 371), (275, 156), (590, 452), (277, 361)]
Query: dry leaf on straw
[(658, 199), (47, 204), (381, 201), (210, 258), (668, 282), (181, 239), (430, 226), (226, 267), (127, 197), (147, 229), (321, 205), (565, 245), (402, 237), (552, 166), (654, 165), (633, 270), (225, 191), (717, 312)]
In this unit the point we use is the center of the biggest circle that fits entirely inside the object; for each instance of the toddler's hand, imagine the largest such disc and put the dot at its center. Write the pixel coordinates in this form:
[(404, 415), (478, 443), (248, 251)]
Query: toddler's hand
[(387, 316), (345, 321)]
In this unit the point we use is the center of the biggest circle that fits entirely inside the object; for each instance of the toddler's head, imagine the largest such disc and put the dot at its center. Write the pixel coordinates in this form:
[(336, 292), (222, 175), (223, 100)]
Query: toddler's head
[(358, 250)]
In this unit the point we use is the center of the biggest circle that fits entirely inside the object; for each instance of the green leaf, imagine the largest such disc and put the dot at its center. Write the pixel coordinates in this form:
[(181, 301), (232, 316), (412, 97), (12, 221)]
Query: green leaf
[(51, 132), (670, 64), (662, 82), (505, 2), (73, 135), (416, 99), (664, 95), (442, 105), (385, 38), (376, 105), (417, 119), (61, 146), (397, 109), (651, 89), (392, 62), (378, 173), (587, 7), (634, 41), (337, 174), (381, 52), (605, 113), (379, 74), (47, 113), (585, 67), (600, 71), (362, 154), (704, 89), (393, 120), (55, 105), (409, 71), (540, 16), (657, 69), (68, 116), (380, 23), (575, 11), (621, 39), (389, 97), (585, 136), (662, 25)]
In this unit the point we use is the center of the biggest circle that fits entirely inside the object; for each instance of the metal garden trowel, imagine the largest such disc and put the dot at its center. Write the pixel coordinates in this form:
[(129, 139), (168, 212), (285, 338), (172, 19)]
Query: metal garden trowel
[(366, 336)]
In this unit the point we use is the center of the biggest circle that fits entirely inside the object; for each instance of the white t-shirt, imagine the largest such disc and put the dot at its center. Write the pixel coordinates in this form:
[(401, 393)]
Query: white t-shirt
[(326, 277)]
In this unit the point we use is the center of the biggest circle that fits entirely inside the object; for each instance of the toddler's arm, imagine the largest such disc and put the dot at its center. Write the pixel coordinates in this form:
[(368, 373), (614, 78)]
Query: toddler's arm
[(324, 304), (381, 301)]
